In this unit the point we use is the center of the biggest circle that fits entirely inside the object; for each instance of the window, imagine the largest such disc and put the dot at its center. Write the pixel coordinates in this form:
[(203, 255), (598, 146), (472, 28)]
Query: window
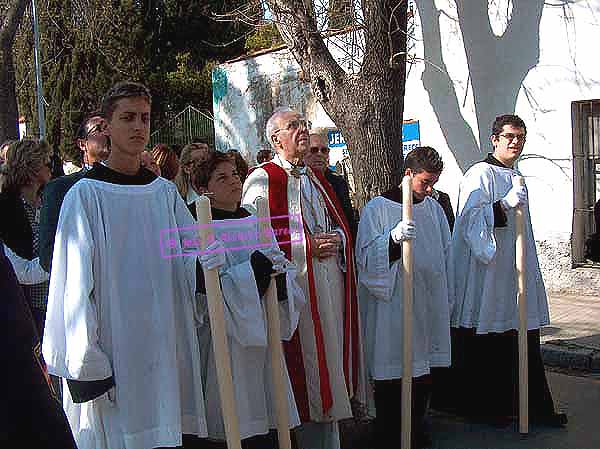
[(585, 116)]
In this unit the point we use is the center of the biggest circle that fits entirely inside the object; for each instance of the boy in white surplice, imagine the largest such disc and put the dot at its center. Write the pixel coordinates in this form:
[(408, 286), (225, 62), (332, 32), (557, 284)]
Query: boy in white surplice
[(120, 326), (245, 269), (381, 232)]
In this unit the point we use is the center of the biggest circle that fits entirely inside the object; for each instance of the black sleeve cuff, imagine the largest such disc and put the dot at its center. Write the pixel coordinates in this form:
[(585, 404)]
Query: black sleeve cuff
[(262, 267), (200, 283), (500, 219), (280, 281), (84, 391), (395, 251)]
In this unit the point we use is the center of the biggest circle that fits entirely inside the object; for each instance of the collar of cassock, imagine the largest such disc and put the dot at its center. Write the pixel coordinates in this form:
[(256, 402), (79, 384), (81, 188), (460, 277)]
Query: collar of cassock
[(395, 194), (296, 170)]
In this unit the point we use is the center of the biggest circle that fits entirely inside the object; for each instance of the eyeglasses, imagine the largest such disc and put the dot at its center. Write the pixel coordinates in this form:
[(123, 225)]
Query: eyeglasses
[(295, 124), (93, 130), (510, 137), (322, 150)]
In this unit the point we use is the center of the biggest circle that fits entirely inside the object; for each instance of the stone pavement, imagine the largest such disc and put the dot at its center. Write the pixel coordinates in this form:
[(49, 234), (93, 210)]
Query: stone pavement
[(572, 340)]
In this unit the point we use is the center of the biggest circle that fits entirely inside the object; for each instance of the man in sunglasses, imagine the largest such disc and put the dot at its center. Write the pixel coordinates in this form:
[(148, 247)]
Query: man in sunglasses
[(317, 158), (486, 316), (324, 355), (94, 146)]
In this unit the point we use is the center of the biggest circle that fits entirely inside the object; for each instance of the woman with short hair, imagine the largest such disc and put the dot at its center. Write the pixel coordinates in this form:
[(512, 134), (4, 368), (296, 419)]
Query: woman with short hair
[(28, 169)]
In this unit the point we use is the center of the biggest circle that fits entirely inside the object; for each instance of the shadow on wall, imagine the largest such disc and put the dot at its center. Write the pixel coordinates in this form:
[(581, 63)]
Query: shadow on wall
[(497, 67), (243, 115)]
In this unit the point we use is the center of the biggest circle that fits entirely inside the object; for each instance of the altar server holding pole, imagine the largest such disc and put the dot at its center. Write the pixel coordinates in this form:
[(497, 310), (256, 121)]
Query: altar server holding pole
[(246, 259), (486, 316), (382, 230)]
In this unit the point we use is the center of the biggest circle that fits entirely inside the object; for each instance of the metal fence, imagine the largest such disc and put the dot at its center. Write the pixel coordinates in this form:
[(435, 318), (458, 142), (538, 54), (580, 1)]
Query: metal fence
[(186, 127), (585, 117)]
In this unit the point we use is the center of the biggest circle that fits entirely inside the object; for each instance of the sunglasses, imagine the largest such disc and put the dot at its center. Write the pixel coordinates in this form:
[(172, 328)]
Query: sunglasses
[(323, 150)]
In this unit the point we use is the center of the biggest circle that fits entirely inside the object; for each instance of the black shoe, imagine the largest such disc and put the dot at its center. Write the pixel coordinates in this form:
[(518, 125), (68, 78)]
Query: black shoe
[(558, 420), (422, 440)]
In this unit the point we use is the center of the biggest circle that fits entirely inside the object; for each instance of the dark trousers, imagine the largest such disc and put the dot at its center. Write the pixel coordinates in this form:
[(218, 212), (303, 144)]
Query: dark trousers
[(388, 404), (268, 441), (484, 378)]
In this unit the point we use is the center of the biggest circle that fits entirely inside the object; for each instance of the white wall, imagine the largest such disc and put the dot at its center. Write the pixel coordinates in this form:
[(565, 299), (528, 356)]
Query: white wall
[(567, 71)]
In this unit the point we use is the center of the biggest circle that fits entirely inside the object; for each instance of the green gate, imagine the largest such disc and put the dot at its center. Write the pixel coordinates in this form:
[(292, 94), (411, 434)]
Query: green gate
[(186, 127)]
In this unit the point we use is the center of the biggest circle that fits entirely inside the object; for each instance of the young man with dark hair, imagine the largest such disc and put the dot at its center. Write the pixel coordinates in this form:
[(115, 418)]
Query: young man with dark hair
[(486, 315), (381, 232), (94, 146), (120, 326)]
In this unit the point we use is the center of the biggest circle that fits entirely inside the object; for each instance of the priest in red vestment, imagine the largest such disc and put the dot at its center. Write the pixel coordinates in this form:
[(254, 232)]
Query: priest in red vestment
[(324, 358)]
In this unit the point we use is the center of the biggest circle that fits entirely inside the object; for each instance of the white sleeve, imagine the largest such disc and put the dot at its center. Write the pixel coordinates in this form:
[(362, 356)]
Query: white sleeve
[(256, 185), (71, 345), (28, 272), (372, 253), (447, 251), (475, 220), (244, 317)]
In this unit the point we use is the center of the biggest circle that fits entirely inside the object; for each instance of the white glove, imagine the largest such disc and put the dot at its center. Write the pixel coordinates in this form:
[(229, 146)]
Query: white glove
[(404, 230), (277, 258), (214, 257), (516, 196)]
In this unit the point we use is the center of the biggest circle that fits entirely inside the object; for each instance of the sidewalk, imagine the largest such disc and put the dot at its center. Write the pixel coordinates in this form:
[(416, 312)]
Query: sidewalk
[(572, 340)]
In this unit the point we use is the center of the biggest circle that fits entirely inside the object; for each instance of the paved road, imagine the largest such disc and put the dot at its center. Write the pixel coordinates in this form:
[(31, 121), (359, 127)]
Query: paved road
[(579, 396)]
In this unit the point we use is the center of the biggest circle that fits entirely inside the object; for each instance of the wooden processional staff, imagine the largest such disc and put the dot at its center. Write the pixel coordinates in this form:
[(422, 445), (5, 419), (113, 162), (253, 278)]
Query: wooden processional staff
[(522, 302), (278, 368), (217, 328), (407, 316)]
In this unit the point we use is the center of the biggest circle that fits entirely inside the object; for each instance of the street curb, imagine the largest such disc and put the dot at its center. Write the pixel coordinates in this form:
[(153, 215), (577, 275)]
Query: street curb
[(569, 356)]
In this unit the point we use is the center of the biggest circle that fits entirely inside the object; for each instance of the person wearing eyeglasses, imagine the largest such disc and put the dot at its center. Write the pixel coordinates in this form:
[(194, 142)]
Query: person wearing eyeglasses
[(324, 355), (28, 170), (317, 158), (485, 316), (93, 146)]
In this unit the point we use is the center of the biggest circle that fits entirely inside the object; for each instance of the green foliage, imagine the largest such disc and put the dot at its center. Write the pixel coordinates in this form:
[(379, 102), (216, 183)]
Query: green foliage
[(262, 37), (170, 45)]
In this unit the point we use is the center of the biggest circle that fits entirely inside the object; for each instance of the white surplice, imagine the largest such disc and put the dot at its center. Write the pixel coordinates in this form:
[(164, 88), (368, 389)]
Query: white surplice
[(246, 327), (118, 308), (381, 288), (486, 280)]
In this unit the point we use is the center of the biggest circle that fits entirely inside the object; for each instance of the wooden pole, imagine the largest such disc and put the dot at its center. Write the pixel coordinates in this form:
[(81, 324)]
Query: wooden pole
[(407, 318), (278, 367), (522, 301), (217, 329)]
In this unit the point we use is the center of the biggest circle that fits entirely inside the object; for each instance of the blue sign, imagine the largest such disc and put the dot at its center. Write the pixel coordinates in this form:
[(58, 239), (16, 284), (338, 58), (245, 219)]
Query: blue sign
[(335, 139), (411, 131), (411, 137)]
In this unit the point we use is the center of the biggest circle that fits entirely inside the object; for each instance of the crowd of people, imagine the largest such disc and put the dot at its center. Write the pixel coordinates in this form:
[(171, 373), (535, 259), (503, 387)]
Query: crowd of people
[(108, 326)]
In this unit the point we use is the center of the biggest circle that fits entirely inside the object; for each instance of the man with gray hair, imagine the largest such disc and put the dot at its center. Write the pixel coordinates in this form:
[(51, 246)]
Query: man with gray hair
[(324, 355)]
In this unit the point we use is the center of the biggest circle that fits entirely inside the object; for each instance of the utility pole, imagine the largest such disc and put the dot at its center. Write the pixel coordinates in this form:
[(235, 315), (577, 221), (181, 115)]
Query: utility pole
[(38, 72)]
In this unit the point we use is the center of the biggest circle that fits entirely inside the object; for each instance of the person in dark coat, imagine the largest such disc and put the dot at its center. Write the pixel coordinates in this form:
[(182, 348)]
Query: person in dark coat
[(317, 158), (94, 147), (31, 415)]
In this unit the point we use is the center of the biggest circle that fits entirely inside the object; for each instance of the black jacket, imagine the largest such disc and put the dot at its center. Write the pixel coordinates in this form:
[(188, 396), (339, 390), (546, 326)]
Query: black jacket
[(15, 229), (340, 187), (54, 194)]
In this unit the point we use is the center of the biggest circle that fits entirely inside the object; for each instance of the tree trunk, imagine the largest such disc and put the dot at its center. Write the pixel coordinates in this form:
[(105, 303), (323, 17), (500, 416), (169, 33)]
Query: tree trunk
[(9, 115), (367, 107)]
